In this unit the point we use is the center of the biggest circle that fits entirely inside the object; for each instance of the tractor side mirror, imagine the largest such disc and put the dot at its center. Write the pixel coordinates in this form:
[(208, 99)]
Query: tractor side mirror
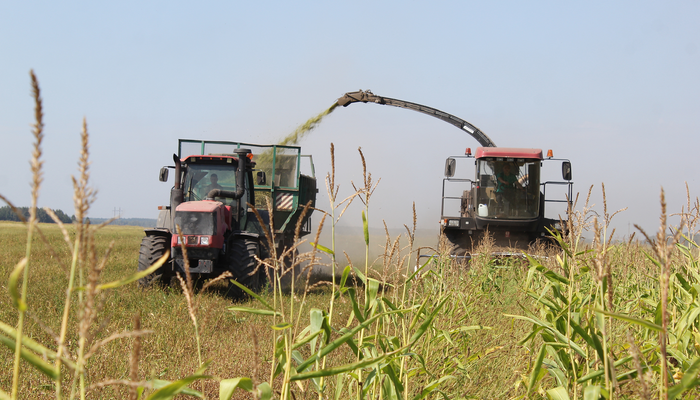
[(450, 167), (260, 178), (163, 176), (566, 170)]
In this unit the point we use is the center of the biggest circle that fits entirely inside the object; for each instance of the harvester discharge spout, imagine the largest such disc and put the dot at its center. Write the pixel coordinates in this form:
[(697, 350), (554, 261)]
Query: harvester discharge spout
[(366, 96)]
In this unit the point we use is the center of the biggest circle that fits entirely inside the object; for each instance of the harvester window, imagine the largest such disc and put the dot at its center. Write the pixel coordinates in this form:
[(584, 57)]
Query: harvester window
[(508, 188)]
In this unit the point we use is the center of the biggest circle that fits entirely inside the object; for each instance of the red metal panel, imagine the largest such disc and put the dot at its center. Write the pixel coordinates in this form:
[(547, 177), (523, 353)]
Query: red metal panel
[(208, 158), (508, 152)]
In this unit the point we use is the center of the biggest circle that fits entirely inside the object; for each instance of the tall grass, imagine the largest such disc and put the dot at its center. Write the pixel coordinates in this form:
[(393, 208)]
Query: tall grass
[(66, 366), (383, 347)]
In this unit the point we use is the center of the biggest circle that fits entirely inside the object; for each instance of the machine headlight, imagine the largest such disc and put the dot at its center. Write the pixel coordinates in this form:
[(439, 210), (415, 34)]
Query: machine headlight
[(204, 241), (179, 239), (453, 223)]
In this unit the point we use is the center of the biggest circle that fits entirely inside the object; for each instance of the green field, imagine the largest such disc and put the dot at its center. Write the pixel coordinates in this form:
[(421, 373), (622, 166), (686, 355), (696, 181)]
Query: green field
[(473, 347)]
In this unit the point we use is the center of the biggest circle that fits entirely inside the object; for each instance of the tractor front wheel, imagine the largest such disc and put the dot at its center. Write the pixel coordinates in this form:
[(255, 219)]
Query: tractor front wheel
[(152, 249), (241, 262)]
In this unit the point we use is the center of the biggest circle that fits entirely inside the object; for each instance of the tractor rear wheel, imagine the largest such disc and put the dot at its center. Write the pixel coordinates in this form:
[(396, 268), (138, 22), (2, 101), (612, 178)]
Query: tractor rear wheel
[(152, 249), (241, 262)]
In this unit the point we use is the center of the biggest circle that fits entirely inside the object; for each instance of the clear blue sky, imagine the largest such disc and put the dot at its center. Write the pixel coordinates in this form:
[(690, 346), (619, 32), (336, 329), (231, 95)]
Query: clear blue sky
[(613, 86)]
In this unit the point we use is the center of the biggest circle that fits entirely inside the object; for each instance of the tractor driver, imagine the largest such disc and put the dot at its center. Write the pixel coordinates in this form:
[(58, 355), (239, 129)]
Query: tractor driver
[(213, 185), (505, 187)]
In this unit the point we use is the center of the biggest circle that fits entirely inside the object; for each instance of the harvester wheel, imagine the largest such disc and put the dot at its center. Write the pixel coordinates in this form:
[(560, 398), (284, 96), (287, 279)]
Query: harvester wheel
[(152, 249), (241, 262)]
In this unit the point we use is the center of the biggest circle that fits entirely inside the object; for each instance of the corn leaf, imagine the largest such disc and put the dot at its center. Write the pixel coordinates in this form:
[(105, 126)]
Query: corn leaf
[(536, 369), (264, 391), (316, 319), (432, 386), (591, 340), (227, 387), (322, 248), (256, 311), (135, 277), (552, 330), (306, 340), (591, 392), (282, 326), (688, 381), (599, 372), (252, 294), (339, 342), (355, 307), (558, 393), (371, 294), (160, 383), (395, 380), (4, 395), (365, 228), (418, 313), (172, 389), (344, 278), (551, 275), (13, 285), (339, 370), (360, 274), (633, 320), (33, 345), (418, 270), (426, 323), (36, 361)]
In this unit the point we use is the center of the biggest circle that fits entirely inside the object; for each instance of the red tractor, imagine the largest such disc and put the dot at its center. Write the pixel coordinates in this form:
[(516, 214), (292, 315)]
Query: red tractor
[(215, 184), (506, 196)]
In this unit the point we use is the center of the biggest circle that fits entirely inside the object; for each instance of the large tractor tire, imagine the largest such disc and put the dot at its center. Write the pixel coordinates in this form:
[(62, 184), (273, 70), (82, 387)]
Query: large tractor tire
[(152, 249), (241, 262)]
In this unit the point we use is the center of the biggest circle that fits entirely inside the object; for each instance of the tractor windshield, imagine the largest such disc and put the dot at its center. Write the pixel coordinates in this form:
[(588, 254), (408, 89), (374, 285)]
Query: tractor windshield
[(200, 179), (508, 187)]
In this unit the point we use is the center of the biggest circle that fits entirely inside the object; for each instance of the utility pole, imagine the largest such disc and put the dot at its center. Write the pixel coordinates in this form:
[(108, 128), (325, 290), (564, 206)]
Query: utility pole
[(117, 212)]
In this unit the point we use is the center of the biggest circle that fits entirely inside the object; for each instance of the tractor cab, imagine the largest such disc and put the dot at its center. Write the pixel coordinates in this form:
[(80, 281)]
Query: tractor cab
[(201, 178)]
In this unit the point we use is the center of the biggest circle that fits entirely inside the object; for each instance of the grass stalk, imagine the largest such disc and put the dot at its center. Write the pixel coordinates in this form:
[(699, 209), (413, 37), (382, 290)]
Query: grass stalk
[(82, 198), (188, 289), (37, 178)]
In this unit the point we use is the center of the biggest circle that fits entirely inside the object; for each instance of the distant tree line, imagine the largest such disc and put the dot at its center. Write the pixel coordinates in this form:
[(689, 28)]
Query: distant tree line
[(6, 214), (145, 222)]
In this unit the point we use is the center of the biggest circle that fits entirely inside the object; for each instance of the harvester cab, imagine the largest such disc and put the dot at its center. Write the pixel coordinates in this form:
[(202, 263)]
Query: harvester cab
[(507, 195), (216, 183)]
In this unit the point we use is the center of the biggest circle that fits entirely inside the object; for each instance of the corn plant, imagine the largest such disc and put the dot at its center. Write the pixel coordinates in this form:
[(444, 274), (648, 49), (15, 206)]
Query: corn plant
[(578, 346), (390, 334)]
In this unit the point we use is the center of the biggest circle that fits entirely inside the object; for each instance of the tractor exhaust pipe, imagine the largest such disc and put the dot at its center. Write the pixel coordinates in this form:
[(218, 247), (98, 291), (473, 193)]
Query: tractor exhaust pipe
[(176, 194), (240, 178), (178, 169)]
